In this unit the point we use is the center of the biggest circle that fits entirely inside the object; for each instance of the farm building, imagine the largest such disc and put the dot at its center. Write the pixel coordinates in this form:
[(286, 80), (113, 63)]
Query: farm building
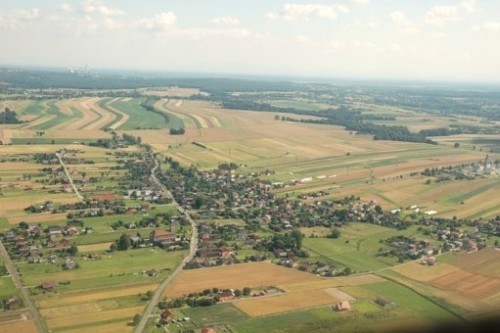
[(342, 306), (160, 236), (11, 303), (382, 301), (225, 296), (48, 285), (166, 315)]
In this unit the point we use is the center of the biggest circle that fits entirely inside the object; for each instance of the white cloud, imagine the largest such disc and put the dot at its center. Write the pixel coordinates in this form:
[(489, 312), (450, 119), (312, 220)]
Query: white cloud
[(98, 7), (488, 26), (302, 39), (225, 20), (16, 20), (407, 26), (65, 8), (469, 6), (294, 12), (161, 22), (361, 2), (440, 15)]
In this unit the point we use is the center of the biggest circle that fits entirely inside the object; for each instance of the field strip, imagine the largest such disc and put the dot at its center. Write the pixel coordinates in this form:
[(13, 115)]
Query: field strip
[(89, 296), (356, 280), (79, 319), (284, 303), (94, 247), (107, 116), (121, 117), (189, 122), (25, 326), (39, 121), (67, 109), (236, 276), (113, 327), (88, 116), (304, 286)]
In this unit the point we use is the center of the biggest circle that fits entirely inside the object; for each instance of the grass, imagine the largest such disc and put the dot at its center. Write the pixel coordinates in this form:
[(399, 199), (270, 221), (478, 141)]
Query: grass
[(138, 116), (356, 248), (409, 300), (46, 141), (124, 263), (219, 313)]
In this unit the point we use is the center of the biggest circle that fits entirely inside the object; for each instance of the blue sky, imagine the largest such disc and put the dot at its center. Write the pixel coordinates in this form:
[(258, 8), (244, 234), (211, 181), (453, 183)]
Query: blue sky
[(384, 39)]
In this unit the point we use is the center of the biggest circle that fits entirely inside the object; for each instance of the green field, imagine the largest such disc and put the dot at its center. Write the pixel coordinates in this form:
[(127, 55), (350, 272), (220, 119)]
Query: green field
[(357, 246), (220, 313), (138, 116)]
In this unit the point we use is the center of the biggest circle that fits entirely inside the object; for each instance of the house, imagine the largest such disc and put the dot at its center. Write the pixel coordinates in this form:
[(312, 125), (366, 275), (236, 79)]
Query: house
[(48, 285), (71, 231), (160, 236), (342, 306), (224, 252), (431, 261), (166, 315), (382, 301), (11, 303), (69, 264), (225, 296)]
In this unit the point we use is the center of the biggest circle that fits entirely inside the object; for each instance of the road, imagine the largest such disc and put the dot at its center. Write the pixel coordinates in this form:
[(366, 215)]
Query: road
[(24, 292), (69, 177), (192, 251)]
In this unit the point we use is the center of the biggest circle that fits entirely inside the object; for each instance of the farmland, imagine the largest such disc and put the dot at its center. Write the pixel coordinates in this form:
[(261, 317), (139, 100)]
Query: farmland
[(287, 153)]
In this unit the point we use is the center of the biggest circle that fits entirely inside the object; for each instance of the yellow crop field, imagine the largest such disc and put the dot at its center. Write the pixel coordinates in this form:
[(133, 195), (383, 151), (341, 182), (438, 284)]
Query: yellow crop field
[(78, 319), (356, 280), (47, 301), (419, 272), (235, 276), (310, 285), (103, 328), (24, 326), (94, 247), (282, 303)]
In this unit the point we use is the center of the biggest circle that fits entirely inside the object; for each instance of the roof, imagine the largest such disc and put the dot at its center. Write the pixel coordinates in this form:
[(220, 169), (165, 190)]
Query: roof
[(207, 330), (167, 313), (160, 233)]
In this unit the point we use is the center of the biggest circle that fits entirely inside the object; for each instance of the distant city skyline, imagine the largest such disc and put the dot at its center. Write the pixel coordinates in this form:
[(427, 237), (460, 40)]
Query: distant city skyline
[(440, 40)]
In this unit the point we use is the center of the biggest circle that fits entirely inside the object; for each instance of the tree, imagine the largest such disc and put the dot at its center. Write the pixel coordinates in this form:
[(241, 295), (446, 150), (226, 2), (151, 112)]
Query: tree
[(456, 145), (335, 233), (247, 291), (297, 236), (73, 250), (124, 242), (237, 293), (137, 319)]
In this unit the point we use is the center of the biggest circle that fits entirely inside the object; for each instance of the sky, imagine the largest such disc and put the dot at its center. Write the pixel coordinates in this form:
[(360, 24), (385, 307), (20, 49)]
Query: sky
[(443, 40)]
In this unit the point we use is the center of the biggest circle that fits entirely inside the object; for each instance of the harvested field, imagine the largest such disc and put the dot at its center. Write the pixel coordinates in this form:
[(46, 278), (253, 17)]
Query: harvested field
[(94, 247), (24, 326), (419, 272), (339, 294), (69, 310), (101, 328), (486, 261), (310, 285), (356, 280), (283, 303), (235, 276), (48, 301), (101, 316), (468, 284)]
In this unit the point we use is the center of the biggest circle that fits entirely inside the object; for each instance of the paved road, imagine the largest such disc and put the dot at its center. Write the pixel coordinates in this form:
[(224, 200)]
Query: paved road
[(192, 251), (24, 292), (69, 177)]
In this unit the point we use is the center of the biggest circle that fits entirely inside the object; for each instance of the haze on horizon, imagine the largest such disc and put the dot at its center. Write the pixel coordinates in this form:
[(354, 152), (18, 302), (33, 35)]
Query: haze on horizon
[(375, 39)]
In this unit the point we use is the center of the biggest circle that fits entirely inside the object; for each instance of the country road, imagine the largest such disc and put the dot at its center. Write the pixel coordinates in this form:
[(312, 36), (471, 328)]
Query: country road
[(24, 292), (69, 177), (193, 248)]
